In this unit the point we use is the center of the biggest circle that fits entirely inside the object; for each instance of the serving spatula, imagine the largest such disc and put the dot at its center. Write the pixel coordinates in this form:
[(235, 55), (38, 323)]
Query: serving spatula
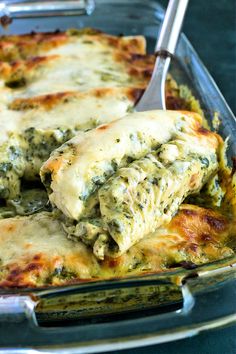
[(154, 96)]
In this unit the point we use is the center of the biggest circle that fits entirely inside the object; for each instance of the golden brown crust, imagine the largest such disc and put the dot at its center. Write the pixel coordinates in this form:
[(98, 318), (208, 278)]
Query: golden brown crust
[(200, 225), (49, 101), (45, 101), (139, 66), (205, 136), (23, 55), (26, 69), (20, 47), (127, 51), (15, 47), (32, 260), (195, 235)]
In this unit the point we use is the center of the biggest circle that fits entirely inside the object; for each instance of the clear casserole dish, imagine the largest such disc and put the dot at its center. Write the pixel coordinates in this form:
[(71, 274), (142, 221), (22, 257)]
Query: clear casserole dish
[(115, 314)]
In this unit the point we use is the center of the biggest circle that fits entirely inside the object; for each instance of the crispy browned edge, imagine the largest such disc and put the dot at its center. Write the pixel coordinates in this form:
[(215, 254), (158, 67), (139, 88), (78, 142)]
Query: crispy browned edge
[(49, 101)]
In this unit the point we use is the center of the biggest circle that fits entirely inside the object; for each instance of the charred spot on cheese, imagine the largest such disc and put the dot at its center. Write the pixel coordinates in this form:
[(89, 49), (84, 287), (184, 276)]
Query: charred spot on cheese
[(184, 264), (16, 83), (215, 223)]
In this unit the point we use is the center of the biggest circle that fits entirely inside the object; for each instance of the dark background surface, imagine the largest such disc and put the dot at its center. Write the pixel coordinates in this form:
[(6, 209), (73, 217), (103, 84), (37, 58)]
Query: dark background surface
[(221, 341), (211, 27)]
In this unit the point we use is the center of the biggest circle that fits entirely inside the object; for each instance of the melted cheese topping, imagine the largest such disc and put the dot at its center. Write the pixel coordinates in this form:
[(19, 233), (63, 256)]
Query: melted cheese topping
[(88, 61), (38, 254), (74, 76), (72, 110), (15, 47), (47, 257)]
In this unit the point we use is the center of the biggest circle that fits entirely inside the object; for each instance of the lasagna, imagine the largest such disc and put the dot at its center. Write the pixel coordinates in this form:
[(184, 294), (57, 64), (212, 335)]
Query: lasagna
[(130, 176), (35, 250), (89, 189)]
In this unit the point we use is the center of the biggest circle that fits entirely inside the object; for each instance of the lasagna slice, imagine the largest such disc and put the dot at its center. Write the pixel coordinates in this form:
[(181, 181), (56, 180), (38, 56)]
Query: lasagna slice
[(76, 170), (37, 253), (123, 180)]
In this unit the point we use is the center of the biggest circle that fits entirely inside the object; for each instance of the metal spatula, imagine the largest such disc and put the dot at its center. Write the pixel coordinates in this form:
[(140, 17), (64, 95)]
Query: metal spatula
[(154, 96)]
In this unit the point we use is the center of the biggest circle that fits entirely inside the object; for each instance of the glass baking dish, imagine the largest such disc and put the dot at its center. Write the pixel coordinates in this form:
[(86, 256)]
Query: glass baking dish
[(124, 313)]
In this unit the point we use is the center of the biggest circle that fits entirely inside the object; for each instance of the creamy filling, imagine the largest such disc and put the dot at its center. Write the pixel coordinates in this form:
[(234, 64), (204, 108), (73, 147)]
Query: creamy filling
[(142, 196)]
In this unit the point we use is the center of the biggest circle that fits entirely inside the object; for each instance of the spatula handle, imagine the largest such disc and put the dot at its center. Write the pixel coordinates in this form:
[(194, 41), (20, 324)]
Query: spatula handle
[(171, 26), (154, 96)]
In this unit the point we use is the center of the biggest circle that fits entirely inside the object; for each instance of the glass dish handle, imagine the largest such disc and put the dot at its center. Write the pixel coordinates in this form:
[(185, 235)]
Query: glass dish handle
[(200, 311), (26, 8)]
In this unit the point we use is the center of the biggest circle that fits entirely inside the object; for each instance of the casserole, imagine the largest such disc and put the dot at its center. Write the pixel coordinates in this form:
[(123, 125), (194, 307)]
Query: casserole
[(166, 291)]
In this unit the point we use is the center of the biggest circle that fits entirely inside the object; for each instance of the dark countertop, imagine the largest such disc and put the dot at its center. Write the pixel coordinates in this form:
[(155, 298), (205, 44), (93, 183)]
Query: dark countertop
[(211, 27), (221, 341)]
